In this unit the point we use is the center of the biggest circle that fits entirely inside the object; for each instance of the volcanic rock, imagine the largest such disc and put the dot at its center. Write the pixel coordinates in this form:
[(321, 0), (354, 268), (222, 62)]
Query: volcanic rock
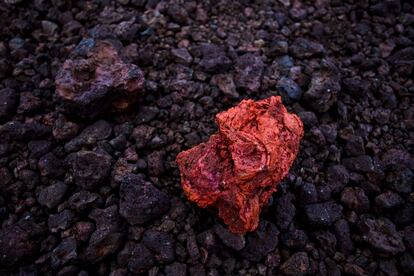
[(19, 240), (140, 200), (382, 236), (8, 102), (261, 242), (95, 78), (90, 168), (249, 70), (238, 169), (324, 88)]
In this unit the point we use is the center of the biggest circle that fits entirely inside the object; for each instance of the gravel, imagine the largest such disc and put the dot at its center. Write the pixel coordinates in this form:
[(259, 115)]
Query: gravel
[(95, 190)]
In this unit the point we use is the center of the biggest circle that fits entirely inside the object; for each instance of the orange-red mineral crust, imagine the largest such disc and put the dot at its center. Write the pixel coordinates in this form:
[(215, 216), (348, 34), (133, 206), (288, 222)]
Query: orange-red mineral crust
[(239, 168)]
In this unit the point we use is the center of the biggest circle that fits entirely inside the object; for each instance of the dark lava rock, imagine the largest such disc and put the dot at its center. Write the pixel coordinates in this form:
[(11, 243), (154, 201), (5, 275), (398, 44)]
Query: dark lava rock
[(161, 244), (316, 136), (181, 55), (176, 269), (52, 195), (146, 114), (278, 48), (354, 198), (402, 215), (260, 242), (326, 240), (208, 240), (283, 64), (8, 102), (38, 148), (355, 86), (249, 71), (102, 244), (303, 48), (290, 88), (192, 247), (23, 131), (397, 157), (82, 200), (29, 103), (234, 241), (388, 200), (381, 235), (294, 239), (214, 58), (226, 84), (297, 264), (406, 54), (355, 146), (308, 118), (407, 263), (156, 163), (178, 14), (324, 89), (60, 221), (106, 239), (323, 214), (140, 200), (89, 84), (82, 230), (389, 267), (64, 253), (308, 194), (143, 134), (408, 236), (329, 132), (51, 166), (136, 257), (19, 241), (285, 211), (361, 163), (64, 129), (343, 236), (353, 269), (324, 193), (30, 178), (337, 177), (98, 131), (6, 177), (90, 169)]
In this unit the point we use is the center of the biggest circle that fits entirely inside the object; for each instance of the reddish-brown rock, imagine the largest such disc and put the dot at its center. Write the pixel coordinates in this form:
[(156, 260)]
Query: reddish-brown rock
[(238, 169), (96, 78)]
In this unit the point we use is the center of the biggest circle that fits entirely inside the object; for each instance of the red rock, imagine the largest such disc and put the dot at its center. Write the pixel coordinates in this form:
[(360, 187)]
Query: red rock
[(95, 78), (239, 168)]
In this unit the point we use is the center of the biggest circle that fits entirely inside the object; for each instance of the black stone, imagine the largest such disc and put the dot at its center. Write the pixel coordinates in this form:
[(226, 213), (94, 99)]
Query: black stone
[(140, 200)]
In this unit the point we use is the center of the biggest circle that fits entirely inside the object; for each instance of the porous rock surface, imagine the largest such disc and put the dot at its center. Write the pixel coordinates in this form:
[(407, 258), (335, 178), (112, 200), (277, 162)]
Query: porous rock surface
[(345, 68), (97, 78)]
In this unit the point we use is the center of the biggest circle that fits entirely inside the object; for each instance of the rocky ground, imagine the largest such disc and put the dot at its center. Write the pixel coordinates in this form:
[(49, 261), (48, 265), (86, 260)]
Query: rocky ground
[(100, 194)]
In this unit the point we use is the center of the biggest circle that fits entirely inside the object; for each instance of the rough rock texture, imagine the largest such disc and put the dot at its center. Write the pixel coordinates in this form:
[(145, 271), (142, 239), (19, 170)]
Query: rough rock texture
[(19, 240), (382, 236), (324, 88), (96, 77), (140, 200), (238, 169), (354, 170), (261, 242), (8, 102), (90, 168), (249, 70)]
